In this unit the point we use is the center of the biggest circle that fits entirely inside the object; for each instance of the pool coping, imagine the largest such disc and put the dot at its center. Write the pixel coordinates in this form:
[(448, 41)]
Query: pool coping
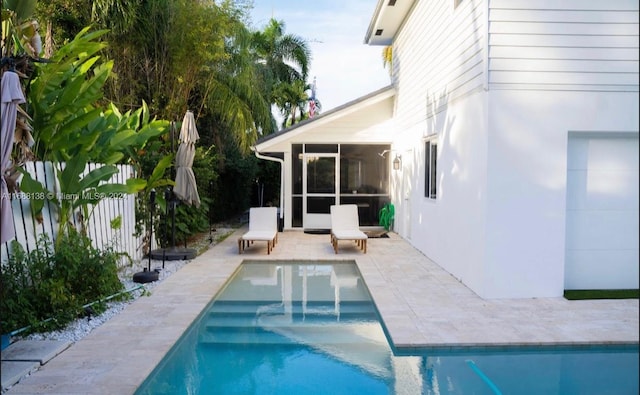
[(420, 304)]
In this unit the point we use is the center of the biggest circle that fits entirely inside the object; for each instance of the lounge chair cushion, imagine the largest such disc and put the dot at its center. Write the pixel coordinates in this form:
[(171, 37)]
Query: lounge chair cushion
[(345, 225), (263, 226), (349, 234), (258, 235)]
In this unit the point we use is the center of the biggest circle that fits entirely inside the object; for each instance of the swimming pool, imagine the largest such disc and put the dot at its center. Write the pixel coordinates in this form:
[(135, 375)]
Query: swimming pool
[(312, 328)]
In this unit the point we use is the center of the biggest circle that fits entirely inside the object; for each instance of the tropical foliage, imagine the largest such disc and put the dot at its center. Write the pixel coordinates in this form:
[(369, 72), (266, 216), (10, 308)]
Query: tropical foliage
[(70, 131), (19, 32), (169, 55), (48, 287), (99, 81), (21, 45)]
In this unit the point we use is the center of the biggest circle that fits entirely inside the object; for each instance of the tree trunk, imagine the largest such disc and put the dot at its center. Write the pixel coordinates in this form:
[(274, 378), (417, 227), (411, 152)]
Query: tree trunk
[(48, 41)]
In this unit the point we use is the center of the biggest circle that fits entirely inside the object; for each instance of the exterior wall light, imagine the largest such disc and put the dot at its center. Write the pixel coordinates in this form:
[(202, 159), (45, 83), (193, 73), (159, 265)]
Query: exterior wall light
[(397, 162)]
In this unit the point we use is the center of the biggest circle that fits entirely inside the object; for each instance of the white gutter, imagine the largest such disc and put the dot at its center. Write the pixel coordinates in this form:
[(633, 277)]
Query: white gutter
[(281, 161)]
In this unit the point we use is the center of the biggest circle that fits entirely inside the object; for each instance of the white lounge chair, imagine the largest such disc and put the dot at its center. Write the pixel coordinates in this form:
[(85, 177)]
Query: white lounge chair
[(345, 225), (263, 226)]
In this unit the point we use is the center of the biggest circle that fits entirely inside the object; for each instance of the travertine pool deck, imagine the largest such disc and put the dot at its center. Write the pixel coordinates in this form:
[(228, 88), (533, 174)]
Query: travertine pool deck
[(420, 304)]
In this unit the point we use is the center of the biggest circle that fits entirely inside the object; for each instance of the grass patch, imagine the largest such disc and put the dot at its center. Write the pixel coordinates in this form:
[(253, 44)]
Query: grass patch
[(585, 294)]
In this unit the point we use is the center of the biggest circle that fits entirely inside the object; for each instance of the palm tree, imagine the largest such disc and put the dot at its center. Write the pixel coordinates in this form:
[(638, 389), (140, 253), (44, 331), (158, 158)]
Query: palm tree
[(236, 93), (284, 57), (120, 14), (294, 101), (291, 99)]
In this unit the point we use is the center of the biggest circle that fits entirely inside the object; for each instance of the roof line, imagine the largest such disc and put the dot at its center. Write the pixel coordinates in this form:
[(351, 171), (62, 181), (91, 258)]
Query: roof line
[(324, 115), (372, 22)]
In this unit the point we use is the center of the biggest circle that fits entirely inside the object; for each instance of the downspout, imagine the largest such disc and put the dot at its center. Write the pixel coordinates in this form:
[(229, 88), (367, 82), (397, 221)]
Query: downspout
[(281, 161)]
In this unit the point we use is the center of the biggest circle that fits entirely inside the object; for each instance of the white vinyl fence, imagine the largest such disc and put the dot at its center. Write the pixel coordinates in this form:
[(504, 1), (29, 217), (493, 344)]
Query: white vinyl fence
[(99, 228)]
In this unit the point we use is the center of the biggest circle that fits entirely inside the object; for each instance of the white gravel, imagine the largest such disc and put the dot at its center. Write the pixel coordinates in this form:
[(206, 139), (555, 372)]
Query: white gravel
[(81, 327)]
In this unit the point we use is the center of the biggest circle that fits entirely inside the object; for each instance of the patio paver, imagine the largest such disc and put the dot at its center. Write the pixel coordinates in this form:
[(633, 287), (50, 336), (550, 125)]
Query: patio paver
[(420, 304)]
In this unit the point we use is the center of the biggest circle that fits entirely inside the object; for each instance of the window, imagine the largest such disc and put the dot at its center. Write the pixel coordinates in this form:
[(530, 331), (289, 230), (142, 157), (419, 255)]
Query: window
[(430, 169), (363, 170)]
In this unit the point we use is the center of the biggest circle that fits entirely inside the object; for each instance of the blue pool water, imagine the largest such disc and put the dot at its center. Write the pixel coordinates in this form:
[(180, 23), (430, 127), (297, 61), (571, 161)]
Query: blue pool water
[(298, 328)]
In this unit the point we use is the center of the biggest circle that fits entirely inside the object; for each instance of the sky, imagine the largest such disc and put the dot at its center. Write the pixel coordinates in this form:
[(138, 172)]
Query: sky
[(344, 66)]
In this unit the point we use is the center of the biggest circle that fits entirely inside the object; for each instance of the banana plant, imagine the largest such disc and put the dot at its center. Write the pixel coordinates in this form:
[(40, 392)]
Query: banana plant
[(62, 98), (71, 131), (21, 44), (18, 30)]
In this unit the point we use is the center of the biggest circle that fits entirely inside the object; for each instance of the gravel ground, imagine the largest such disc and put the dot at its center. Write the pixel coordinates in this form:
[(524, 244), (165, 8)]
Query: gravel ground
[(83, 326)]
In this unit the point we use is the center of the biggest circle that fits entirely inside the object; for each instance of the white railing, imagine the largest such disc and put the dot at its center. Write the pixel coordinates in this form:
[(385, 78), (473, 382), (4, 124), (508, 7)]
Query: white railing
[(99, 229)]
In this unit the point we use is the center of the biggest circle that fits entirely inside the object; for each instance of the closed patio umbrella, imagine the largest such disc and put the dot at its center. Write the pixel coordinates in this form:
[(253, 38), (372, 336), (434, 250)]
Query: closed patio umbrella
[(185, 183), (11, 96), (185, 188)]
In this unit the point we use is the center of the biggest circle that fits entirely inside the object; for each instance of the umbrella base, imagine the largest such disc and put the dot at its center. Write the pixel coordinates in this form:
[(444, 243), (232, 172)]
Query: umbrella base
[(145, 276), (173, 254)]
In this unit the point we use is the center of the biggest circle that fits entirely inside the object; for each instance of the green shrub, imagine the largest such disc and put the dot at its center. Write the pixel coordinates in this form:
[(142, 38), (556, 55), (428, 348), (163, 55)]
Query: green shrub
[(46, 288)]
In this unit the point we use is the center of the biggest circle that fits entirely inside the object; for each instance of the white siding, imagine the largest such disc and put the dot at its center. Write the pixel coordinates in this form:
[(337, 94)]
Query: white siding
[(568, 45), (438, 52)]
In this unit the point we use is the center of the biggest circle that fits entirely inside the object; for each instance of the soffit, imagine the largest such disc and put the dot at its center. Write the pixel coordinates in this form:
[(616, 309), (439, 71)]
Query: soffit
[(386, 20)]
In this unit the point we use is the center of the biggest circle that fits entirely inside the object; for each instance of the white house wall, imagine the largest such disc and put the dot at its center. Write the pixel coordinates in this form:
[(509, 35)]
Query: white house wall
[(451, 229), (501, 84), (438, 62), (527, 183), (365, 124), (370, 125)]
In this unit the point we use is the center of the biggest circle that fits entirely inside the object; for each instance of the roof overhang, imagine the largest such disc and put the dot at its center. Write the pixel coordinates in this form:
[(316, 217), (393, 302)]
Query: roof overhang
[(265, 143), (386, 20)]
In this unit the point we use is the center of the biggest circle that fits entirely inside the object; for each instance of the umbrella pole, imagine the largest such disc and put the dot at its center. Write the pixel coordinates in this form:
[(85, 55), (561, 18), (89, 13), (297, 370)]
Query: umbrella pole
[(167, 199), (173, 220), (210, 217), (152, 203), (173, 196)]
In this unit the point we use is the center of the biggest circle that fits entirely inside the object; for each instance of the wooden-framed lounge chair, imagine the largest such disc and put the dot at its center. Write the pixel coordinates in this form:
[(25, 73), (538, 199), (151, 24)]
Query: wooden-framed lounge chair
[(345, 225), (263, 226)]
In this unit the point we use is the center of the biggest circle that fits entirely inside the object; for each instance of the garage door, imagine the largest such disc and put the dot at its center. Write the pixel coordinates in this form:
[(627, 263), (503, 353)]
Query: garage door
[(602, 211)]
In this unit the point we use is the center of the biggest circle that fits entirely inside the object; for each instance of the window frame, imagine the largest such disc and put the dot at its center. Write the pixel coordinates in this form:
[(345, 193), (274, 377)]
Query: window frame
[(431, 168)]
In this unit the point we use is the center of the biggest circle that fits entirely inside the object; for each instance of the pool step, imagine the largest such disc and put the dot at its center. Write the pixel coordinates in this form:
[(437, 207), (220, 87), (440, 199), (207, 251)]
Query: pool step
[(308, 316), (278, 331), (270, 322), (296, 306), (243, 313)]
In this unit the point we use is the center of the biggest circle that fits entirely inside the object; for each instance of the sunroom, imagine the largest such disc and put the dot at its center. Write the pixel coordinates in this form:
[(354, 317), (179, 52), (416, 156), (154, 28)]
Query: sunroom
[(343, 156)]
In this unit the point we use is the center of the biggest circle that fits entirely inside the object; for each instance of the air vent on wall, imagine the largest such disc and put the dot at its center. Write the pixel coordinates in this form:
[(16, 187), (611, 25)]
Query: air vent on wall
[(379, 32)]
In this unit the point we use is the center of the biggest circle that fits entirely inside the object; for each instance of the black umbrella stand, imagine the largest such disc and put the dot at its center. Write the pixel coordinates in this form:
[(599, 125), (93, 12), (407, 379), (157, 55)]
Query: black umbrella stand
[(211, 228), (172, 253), (146, 275)]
